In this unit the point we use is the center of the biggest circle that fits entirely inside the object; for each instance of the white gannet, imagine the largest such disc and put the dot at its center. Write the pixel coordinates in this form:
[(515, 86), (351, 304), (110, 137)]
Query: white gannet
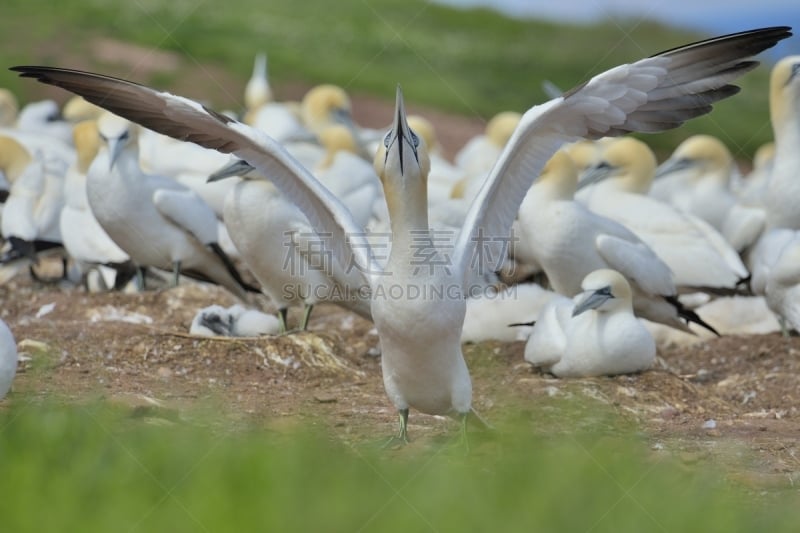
[(597, 335), (490, 313), (8, 359), (44, 118), (31, 211), (422, 362), (696, 253), (157, 221), (277, 244), (569, 242), (696, 179), (783, 190), (234, 321), (776, 273), (85, 240)]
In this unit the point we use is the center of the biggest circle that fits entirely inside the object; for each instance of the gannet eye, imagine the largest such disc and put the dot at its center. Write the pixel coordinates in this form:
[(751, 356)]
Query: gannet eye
[(124, 135), (387, 139), (414, 139)]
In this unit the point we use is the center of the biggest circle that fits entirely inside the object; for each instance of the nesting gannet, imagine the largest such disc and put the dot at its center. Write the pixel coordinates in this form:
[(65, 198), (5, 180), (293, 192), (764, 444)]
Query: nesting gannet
[(776, 272), (569, 242), (783, 190), (422, 363), (8, 359), (31, 211), (597, 335), (84, 239), (155, 220), (696, 253), (696, 179), (234, 321)]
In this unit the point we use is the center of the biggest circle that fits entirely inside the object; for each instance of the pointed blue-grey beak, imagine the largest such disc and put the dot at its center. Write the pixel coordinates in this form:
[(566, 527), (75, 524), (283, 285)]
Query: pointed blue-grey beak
[(672, 165), (593, 300), (401, 133), (239, 167), (115, 148), (596, 174)]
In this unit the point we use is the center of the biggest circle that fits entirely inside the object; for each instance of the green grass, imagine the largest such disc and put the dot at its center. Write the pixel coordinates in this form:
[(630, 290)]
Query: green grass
[(95, 468), (472, 62)]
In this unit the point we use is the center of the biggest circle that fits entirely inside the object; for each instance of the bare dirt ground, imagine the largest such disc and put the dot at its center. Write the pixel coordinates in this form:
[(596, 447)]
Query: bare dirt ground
[(730, 401)]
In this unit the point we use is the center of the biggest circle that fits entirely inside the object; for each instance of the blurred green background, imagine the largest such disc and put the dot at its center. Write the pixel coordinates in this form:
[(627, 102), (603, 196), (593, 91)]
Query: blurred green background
[(474, 62)]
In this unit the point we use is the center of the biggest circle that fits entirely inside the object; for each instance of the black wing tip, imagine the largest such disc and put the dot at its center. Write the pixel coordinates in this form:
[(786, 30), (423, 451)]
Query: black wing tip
[(760, 38)]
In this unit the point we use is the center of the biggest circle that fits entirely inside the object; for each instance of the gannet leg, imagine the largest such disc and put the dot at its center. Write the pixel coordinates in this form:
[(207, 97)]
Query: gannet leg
[(401, 439), (306, 315), (176, 273), (282, 312)]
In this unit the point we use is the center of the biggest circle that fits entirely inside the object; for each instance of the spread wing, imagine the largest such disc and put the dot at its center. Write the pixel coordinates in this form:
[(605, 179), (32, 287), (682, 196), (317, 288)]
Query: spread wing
[(187, 120), (650, 95)]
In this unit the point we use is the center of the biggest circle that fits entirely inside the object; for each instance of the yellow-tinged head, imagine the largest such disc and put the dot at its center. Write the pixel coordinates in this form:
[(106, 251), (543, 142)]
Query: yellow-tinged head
[(784, 90), (14, 157), (424, 128), (559, 177), (325, 105), (77, 109), (630, 163), (705, 154), (402, 164), (584, 154), (764, 155), (8, 108), (336, 138), (117, 133), (604, 290), (501, 126), (87, 143)]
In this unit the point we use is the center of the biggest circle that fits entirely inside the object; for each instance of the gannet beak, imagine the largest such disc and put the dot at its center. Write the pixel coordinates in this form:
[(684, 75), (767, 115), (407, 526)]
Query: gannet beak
[(239, 167), (115, 148), (400, 135), (596, 174), (593, 300), (672, 165)]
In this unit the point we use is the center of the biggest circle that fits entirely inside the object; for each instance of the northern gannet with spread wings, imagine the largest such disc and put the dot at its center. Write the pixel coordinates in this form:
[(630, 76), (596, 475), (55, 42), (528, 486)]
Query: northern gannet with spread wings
[(423, 366)]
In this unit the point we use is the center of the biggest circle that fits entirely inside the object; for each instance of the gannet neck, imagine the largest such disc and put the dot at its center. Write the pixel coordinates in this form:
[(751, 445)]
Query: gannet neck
[(402, 164), (784, 105), (336, 138), (257, 92), (14, 158), (636, 163)]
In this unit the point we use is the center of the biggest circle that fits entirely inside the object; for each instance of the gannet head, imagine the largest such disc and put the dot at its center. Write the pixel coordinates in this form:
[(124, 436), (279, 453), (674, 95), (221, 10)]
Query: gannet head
[(324, 105), (630, 162), (8, 108), (784, 90), (14, 158), (77, 109), (585, 154), (402, 160), (117, 133), (257, 92), (424, 129), (604, 290), (336, 138), (559, 177), (87, 143), (703, 153), (501, 126)]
